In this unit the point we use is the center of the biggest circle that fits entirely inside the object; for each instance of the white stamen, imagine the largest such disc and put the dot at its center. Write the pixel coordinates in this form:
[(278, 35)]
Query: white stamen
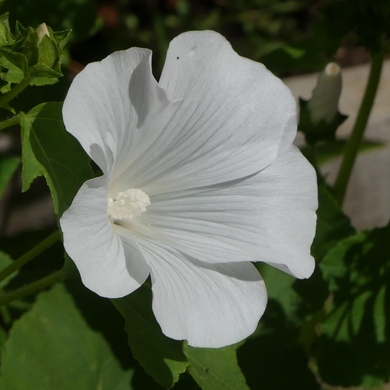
[(127, 204)]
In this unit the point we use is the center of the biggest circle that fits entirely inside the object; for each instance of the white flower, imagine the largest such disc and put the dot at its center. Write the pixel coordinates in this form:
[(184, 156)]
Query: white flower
[(324, 104), (199, 179)]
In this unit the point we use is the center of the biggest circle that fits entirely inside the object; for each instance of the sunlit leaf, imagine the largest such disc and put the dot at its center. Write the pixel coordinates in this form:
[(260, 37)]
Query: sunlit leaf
[(52, 347), (215, 369), (49, 150)]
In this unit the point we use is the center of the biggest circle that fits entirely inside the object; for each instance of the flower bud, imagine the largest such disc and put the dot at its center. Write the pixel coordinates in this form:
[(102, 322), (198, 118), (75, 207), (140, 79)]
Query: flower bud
[(323, 105), (42, 31), (48, 53)]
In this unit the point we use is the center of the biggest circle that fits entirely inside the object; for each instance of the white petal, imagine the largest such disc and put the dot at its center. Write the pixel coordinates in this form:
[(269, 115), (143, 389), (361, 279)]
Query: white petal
[(208, 305), (107, 266), (230, 118), (267, 217), (107, 104)]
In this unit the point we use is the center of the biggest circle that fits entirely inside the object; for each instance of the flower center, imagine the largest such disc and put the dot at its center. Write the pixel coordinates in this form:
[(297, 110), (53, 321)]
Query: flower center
[(127, 204)]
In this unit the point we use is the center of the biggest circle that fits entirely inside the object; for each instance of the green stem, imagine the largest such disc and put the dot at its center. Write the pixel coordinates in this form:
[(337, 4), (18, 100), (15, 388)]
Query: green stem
[(15, 91), (30, 255), (353, 143), (31, 288), (10, 122)]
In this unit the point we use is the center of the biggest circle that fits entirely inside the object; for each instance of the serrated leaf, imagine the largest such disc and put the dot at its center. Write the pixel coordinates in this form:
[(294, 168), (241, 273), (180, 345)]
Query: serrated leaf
[(215, 369), (52, 347), (8, 166), (355, 345), (49, 150), (161, 357)]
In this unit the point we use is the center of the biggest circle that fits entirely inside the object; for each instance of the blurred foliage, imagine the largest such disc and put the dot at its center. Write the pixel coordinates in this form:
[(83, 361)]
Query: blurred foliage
[(78, 15)]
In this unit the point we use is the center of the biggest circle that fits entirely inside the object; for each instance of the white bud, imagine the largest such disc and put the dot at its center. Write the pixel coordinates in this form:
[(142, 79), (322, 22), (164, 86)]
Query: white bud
[(325, 100), (42, 31)]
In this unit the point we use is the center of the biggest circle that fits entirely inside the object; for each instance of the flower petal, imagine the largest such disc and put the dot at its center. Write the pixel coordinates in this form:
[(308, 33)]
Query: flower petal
[(107, 266), (267, 217), (108, 102), (208, 305), (231, 118)]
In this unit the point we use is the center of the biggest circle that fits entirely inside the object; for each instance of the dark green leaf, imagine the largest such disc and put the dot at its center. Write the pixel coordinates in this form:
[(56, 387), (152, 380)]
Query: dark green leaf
[(280, 288), (332, 224), (300, 299), (273, 358), (329, 150), (355, 345), (161, 357), (8, 166), (51, 347), (50, 151), (215, 369)]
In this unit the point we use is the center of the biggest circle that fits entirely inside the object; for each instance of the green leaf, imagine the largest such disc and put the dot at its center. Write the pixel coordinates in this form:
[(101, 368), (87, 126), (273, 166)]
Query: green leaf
[(355, 344), (332, 224), (43, 71), (52, 347), (10, 73), (14, 59), (8, 166), (299, 299), (329, 150), (161, 357), (5, 31), (280, 288), (215, 369), (49, 150), (273, 358)]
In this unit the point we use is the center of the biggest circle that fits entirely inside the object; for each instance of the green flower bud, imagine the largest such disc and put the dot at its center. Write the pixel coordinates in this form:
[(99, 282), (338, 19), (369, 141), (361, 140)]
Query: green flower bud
[(48, 52), (42, 31), (320, 116), (323, 105)]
